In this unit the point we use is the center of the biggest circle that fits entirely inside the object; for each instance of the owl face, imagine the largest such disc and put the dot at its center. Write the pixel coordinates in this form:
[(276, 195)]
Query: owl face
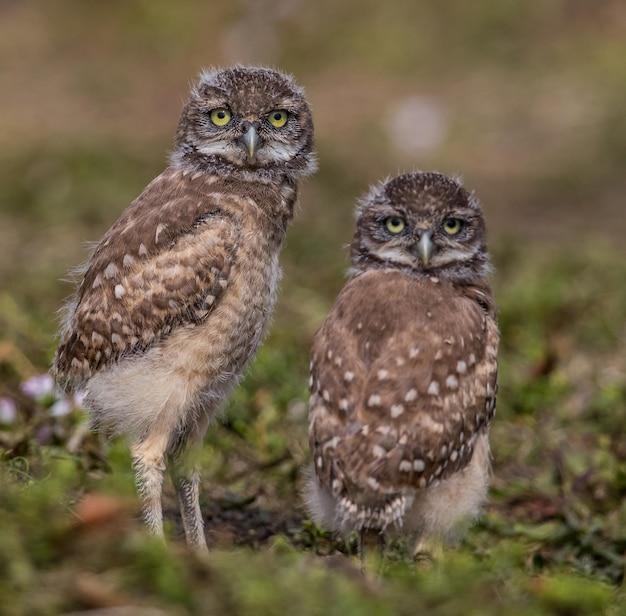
[(422, 221), (250, 118)]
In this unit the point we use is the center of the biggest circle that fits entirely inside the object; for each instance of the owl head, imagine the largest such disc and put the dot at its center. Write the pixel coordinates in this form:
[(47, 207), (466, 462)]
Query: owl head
[(425, 223), (246, 118)]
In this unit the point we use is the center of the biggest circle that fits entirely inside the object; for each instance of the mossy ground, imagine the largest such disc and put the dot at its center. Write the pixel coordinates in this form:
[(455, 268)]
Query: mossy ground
[(531, 96)]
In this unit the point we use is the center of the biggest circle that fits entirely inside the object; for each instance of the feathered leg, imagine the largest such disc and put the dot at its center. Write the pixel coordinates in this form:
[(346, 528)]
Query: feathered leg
[(185, 473), (148, 461), (371, 539)]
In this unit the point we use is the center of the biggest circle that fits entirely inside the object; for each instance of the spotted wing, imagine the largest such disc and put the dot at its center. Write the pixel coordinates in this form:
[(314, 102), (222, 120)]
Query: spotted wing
[(403, 379), (163, 264)]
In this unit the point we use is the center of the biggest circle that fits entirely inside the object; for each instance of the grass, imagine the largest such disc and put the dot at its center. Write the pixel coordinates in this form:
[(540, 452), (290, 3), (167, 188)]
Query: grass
[(551, 541), (531, 98)]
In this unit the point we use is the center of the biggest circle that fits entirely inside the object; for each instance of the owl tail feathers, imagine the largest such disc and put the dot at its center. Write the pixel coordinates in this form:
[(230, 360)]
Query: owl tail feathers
[(356, 516), (339, 512)]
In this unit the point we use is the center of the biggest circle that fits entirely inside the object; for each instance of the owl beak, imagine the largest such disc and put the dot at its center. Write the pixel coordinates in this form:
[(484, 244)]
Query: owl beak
[(425, 247), (251, 141)]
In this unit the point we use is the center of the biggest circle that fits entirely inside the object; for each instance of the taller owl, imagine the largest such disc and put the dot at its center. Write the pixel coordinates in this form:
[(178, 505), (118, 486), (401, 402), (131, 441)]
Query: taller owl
[(176, 296), (403, 370)]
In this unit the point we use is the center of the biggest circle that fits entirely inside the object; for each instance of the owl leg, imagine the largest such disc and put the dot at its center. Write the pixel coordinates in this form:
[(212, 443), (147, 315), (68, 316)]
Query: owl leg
[(148, 461), (371, 539), (185, 474), (427, 551)]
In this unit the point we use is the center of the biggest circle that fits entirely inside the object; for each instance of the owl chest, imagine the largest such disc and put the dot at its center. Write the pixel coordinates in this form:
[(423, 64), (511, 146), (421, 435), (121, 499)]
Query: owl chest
[(252, 299), (236, 328)]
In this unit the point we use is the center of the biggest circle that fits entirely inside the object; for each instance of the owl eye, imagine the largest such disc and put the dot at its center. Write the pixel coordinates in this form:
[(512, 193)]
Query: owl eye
[(394, 224), (220, 116), (452, 225), (278, 118)]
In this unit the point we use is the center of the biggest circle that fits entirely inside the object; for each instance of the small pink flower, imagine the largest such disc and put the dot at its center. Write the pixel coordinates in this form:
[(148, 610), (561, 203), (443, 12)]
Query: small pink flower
[(38, 386), (61, 408), (8, 411)]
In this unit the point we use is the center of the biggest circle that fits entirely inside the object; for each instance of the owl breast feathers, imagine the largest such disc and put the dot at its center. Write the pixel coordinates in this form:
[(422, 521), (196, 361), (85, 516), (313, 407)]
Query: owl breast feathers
[(403, 370)]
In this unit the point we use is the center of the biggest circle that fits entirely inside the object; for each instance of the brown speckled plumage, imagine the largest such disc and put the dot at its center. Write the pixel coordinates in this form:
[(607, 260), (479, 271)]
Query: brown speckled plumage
[(176, 296), (403, 370)]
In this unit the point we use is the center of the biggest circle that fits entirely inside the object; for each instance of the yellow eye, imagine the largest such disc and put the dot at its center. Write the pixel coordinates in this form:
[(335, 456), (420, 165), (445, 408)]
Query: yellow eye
[(452, 225), (394, 224), (220, 116), (278, 118)]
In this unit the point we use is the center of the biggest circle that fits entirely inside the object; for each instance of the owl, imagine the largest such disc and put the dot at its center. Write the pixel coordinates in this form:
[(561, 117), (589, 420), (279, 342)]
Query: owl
[(175, 299), (404, 368)]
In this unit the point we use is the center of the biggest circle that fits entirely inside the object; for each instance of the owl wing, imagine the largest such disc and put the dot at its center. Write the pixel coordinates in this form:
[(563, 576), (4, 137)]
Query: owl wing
[(163, 264), (403, 380)]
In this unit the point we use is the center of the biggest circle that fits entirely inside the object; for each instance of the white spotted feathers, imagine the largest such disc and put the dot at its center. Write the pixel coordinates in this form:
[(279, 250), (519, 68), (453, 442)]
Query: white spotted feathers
[(400, 421), (175, 299)]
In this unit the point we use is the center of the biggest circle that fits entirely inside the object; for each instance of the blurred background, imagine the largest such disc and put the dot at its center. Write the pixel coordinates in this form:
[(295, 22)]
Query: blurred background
[(526, 101)]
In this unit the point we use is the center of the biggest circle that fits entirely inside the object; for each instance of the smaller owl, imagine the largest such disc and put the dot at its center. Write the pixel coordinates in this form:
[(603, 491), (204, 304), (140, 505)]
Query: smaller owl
[(404, 368)]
